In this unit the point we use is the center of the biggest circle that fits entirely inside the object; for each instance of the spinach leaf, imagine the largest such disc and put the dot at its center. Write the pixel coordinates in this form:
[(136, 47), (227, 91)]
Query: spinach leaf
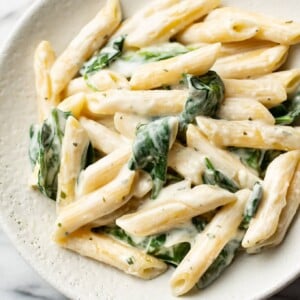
[(249, 156), (206, 94), (45, 150), (216, 177), (223, 260), (104, 57), (155, 244), (287, 112), (155, 53), (150, 150), (252, 205)]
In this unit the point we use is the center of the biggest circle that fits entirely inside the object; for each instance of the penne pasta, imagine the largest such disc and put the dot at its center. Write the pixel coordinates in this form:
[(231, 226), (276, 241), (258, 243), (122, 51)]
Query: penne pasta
[(288, 212), (74, 104), (127, 124), (44, 58), (252, 63), (145, 103), (232, 30), (290, 79), (244, 46), (102, 171), (114, 253), (169, 71), (237, 109), (101, 81), (269, 91), (89, 40), (277, 180), (162, 25), (102, 138), (221, 159), (175, 210), (109, 219), (74, 148), (187, 162), (271, 29), (131, 24), (249, 134), (92, 206), (209, 243)]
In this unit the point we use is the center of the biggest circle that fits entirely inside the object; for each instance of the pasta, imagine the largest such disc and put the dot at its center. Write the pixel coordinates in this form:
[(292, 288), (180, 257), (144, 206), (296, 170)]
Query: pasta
[(169, 134), (252, 63), (170, 71)]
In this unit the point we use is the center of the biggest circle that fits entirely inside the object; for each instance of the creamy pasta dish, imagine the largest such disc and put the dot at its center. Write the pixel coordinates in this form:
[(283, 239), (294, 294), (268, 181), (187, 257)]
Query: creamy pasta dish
[(169, 139)]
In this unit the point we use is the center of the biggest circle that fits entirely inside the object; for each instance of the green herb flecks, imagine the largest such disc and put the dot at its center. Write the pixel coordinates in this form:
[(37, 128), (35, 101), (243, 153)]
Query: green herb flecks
[(206, 94), (150, 150), (215, 177)]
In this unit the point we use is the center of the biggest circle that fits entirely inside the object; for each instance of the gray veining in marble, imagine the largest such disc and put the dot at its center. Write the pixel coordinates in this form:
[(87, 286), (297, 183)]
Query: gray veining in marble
[(18, 280)]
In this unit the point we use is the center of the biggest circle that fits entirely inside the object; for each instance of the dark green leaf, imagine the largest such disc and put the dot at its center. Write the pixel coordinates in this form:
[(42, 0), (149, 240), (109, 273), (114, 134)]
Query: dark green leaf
[(206, 94), (104, 57), (252, 205), (216, 177), (287, 112), (223, 260), (150, 151), (49, 144)]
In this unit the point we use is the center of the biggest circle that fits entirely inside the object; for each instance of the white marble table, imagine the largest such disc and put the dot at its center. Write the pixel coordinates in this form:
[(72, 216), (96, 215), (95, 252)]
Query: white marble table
[(18, 280)]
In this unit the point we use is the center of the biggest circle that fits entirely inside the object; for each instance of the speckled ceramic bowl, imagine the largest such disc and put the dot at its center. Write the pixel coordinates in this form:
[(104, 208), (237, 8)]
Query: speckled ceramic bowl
[(28, 218)]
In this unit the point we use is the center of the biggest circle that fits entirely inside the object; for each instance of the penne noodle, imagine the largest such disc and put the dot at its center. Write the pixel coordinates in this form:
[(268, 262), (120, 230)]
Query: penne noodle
[(271, 29), (244, 46), (269, 91), (74, 104), (222, 160), (102, 171), (74, 147), (133, 22), (44, 58), (176, 210), (232, 30), (93, 206), (127, 124), (252, 63), (162, 25), (101, 81), (114, 253), (167, 193), (145, 103), (209, 243), (187, 162), (102, 138), (109, 219), (169, 71), (277, 180), (290, 79), (288, 212), (89, 40), (237, 109), (249, 134)]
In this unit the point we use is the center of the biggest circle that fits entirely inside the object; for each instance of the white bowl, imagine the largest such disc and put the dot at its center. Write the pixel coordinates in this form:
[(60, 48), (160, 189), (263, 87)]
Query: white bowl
[(28, 218)]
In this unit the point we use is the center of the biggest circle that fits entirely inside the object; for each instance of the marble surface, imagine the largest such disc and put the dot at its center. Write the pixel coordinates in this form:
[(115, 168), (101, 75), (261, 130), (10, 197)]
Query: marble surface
[(18, 280)]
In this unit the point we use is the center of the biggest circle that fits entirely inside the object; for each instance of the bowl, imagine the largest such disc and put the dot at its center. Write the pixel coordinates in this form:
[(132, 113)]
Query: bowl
[(28, 218)]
